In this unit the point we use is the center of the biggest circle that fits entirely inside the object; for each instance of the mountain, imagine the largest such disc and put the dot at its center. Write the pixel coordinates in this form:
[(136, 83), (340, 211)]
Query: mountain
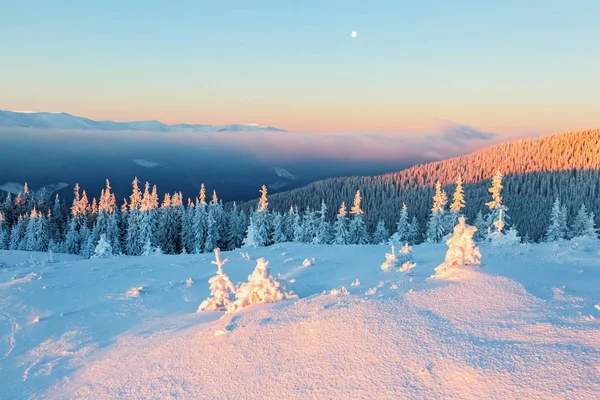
[(536, 171), (45, 120)]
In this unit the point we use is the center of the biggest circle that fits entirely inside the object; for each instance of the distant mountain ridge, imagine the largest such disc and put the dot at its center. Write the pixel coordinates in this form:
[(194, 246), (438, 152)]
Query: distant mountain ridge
[(46, 120)]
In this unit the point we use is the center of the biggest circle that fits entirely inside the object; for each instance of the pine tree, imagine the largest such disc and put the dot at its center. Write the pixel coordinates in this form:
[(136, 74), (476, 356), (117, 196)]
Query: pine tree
[(402, 234), (381, 235), (103, 249), (278, 234), (36, 235), (413, 231), (259, 229), (437, 224), (17, 234), (558, 224), (168, 225), (589, 227), (236, 228), (458, 202), (4, 233), (199, 227), (212, 229), (498, 211), (358, 230), (341, 226), (288, 224), (323, 228), (87, 242), (481, 225)]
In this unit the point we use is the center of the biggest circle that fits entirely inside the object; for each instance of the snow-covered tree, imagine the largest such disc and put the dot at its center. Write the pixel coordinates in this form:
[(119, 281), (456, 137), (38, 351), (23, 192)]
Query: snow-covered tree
[(583, 225), (199, 227), (403, 228), (17, 234), (323, 227), (405, 259), (481, 225), (341, 226), (391, 261), (237, 228), (458, 202), (381, 235), (260, 288), (258, 231), (558, 223), (498, 217), (405, 253), (413, 231), (437, 225), (169, 225), (288, 224), (103, 249), (358, 230), (278, 235), (221, 288), (309, 225), (4, 233), (36, 236), (213, 236), (461, 250), (297, 226)]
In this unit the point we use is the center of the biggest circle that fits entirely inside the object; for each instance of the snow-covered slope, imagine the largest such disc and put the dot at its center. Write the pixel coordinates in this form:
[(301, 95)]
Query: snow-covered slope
[(524, 325), (44, 120)]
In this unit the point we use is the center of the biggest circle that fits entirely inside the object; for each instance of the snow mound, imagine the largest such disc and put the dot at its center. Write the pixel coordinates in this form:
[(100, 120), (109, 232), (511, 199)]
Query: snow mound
[(135, 292)]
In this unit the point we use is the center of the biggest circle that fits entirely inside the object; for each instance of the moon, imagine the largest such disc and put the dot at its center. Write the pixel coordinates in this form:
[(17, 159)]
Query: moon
[(353, 34)]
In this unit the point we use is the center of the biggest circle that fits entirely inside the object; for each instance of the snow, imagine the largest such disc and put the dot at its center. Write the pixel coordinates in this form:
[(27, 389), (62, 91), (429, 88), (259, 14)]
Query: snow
[(48, 120), (525, 325), (283, 173)]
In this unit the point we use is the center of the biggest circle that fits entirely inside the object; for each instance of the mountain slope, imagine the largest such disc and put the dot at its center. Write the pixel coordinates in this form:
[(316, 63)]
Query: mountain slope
[(44, 120), (537, 170)]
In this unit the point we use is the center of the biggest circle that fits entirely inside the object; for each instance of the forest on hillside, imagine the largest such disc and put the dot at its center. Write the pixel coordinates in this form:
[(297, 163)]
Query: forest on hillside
[(536, 171)]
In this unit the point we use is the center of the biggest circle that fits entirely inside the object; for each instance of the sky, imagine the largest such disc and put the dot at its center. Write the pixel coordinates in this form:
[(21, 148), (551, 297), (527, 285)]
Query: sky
[(501, 66)]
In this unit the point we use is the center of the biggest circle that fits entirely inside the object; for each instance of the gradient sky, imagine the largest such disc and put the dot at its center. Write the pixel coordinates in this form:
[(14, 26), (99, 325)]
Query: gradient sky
[(502, 66)]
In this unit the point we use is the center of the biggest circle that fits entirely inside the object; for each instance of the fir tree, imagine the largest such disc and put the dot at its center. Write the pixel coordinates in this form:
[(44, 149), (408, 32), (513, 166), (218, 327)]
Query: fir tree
[(199, 227), (36, 235), (481, 225), (413, 231), (381, 235), (4, 233), (259, 229), (358, 230), (583, 225), (437, 226), (341, 226), (278, 234), (458, 202), (498, 211), (288, 224), (323, 228), (17, 234), (558, 223), (212, 229), (403, 229)]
